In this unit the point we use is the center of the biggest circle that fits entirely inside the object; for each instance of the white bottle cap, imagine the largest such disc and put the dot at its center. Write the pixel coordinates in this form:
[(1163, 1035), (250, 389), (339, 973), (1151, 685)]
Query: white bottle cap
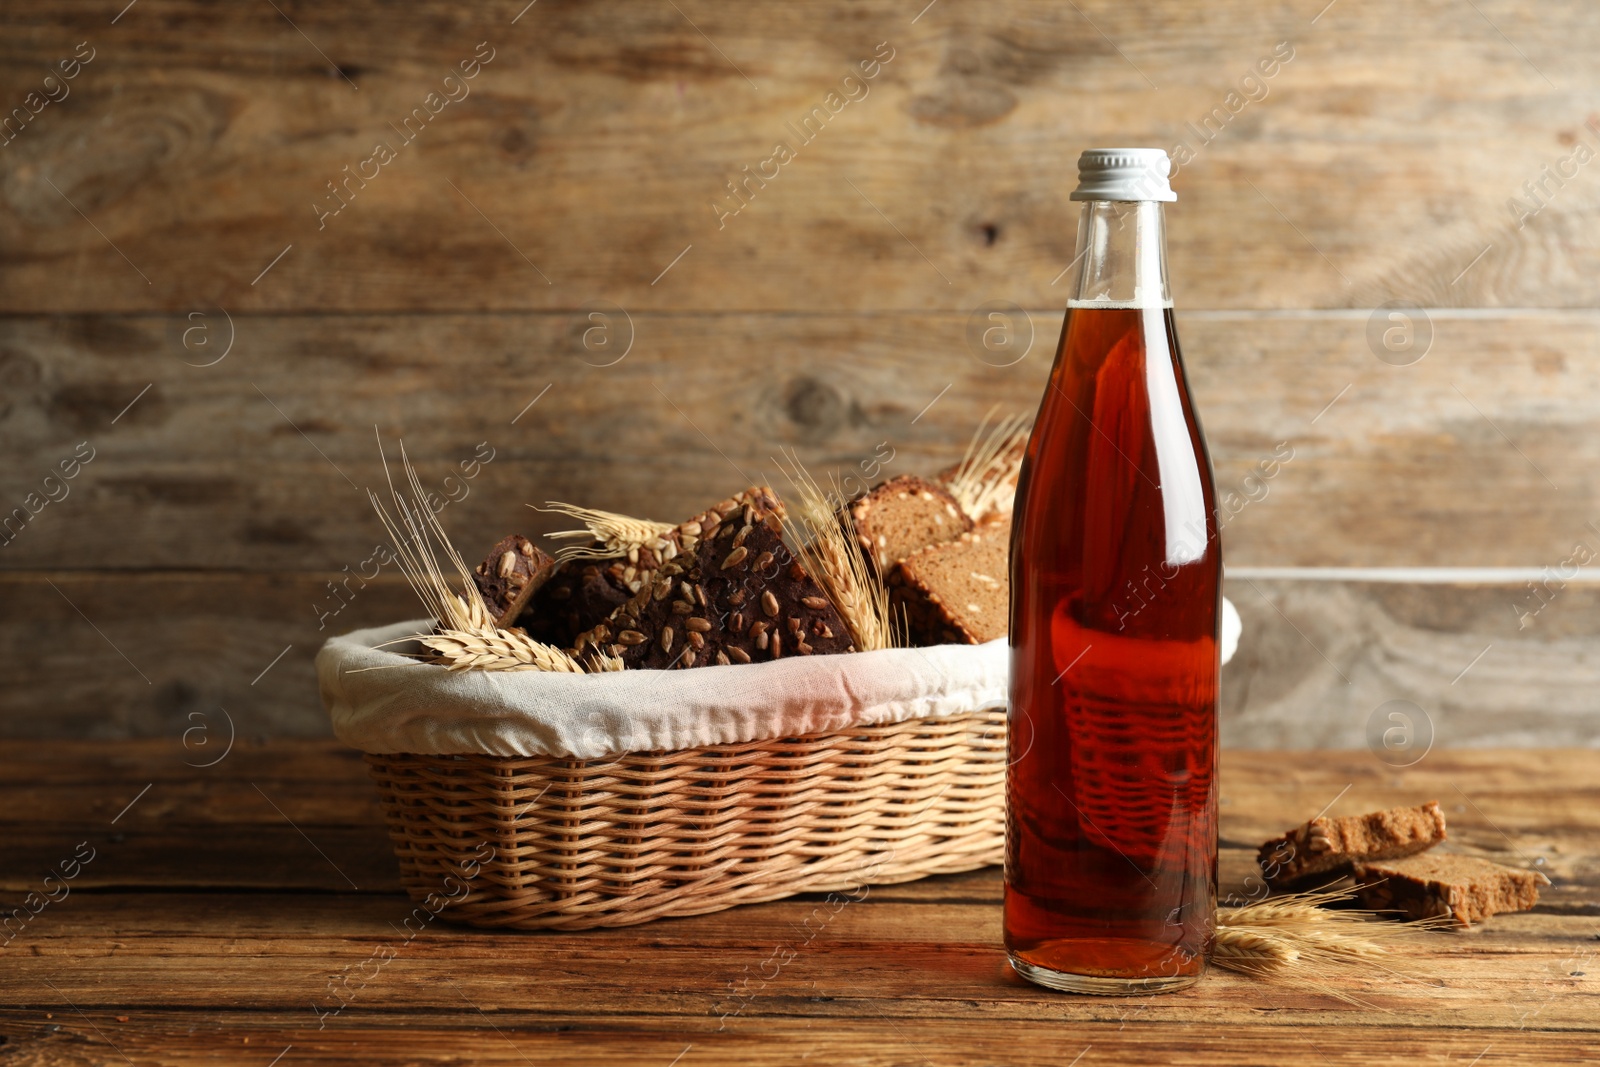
[(1124, 174)]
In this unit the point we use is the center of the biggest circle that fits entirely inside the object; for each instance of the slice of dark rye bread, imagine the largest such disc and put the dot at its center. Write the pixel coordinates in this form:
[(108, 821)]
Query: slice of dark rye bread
[(578, 596), (585, 592), (509, 577), (958, 592), (905, 515), (736, 594), (1463, 889), (1323, 849)]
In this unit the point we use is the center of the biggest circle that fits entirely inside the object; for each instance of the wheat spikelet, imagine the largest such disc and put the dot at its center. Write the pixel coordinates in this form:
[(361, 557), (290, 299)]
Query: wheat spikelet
[(618, 535), (496, 650), (419, 541), (1268, 948), (1295, 934), (826, 541), (986, 479), (1251, 951), (1289, 909), (467, 637), (1343, 943), (599, 661)]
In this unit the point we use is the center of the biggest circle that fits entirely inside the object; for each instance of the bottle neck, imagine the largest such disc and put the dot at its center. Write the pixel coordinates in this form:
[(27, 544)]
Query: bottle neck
[(1122, 255)]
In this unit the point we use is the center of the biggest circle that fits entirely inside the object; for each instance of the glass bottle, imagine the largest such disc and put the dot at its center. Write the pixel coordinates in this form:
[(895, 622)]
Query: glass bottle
[(1111, 835)]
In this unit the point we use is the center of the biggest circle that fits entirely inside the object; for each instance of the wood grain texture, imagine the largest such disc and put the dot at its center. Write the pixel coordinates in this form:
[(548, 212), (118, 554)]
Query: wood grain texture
[(158, 653), (1321, 662), (196, 827), (176, 596), (108, 654), (501, 1037), (454, 285), (598, 137), (883, 959), (1484, 453), (908, 973)]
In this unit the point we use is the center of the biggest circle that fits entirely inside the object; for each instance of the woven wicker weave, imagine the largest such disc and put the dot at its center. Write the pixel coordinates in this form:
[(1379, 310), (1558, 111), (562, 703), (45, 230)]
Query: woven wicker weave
[(611, 842)]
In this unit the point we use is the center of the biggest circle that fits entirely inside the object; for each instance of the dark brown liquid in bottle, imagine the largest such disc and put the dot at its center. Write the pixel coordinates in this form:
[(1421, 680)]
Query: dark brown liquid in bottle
[(1115, 578)]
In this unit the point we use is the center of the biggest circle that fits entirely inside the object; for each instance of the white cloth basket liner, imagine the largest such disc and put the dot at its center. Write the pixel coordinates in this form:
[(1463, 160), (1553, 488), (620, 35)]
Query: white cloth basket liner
[(407, 706)]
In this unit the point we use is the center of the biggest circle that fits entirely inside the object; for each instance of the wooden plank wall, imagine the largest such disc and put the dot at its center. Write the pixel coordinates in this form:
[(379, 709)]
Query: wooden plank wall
[(544, 281)]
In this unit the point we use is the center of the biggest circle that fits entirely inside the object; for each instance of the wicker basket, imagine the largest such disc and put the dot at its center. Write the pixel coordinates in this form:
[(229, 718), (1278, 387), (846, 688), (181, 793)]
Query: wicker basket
[(575, 844)]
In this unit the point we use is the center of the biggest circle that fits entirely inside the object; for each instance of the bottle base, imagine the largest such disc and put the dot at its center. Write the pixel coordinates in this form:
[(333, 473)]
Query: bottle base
[(1098, 985)]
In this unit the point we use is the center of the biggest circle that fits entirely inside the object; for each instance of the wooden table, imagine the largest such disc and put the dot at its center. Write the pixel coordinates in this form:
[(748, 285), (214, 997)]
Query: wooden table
[(221, 902)]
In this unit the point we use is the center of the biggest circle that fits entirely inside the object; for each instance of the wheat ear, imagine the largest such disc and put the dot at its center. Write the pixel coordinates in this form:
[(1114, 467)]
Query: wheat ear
[(826, 541), (619, 535), (496, 650), (986, 479), (419, 541), (467, 636), (1296, 933), (1252, 952)]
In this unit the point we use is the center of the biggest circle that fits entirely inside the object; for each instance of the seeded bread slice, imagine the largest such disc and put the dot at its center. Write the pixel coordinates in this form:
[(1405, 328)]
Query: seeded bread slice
[(585, 592), (581, 594), (958, 592), (905, 515), (1327, 847), (734, 595), (510, 576), (1464, 889)]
